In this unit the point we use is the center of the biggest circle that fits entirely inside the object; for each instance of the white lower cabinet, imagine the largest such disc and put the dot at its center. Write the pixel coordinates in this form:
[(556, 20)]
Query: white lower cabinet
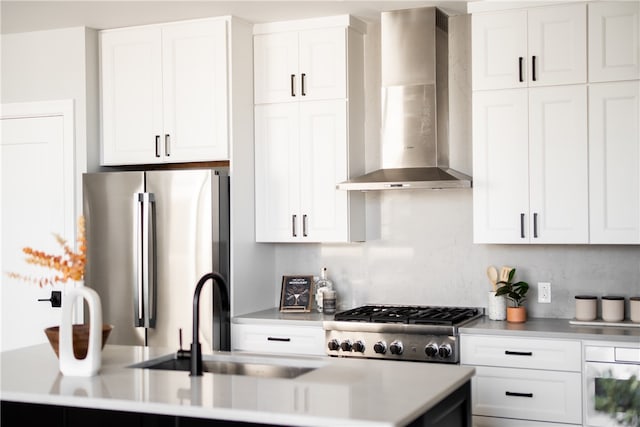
[(279, 339), (523, 381)]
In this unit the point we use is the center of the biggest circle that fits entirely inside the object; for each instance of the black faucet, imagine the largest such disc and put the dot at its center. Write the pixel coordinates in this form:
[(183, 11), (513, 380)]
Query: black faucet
[(196, 350)]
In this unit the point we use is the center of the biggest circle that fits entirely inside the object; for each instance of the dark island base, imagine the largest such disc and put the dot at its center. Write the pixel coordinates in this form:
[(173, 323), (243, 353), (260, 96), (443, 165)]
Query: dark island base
[(453, 411)]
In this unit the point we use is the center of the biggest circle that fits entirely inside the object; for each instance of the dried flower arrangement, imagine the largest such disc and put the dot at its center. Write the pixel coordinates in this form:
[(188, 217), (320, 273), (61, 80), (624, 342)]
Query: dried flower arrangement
[(70, 265)]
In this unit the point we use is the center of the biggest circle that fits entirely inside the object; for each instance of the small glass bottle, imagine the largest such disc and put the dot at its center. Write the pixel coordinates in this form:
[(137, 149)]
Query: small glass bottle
[(323, 284)]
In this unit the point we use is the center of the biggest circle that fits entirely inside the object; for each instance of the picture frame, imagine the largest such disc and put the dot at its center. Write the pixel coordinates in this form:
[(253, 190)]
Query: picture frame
[(296, 293)]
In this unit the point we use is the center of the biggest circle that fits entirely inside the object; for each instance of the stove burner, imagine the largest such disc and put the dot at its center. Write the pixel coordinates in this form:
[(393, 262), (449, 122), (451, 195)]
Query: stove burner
[(417, 315)]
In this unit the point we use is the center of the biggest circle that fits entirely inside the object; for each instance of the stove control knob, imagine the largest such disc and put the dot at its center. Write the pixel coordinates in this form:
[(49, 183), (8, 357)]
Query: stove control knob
[(396, 347), (444, 351), (380, 347), (346, 345), (358, 346), (431, 350), (333, 345)]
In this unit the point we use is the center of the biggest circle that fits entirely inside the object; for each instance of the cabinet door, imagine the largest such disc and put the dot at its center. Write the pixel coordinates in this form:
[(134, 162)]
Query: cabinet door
[(277, 164), (614, 41), (323, 160), (557, 45), (500, 167), (276, 67), (194, 72), (614, 162), (323, 64), (499, 50), (131, 96), (558, 159)]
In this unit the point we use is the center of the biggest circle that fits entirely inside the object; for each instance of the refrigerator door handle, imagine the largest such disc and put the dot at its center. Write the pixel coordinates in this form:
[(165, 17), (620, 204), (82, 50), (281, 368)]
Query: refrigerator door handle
[(149, 282), (138, 315)]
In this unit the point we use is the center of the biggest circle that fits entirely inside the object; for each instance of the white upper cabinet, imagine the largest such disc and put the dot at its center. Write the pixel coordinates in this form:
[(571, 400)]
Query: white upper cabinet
[(614, 41), (308, 130), (165, 93), (614, 162), (529, 47), (530, 165), (300, 65)]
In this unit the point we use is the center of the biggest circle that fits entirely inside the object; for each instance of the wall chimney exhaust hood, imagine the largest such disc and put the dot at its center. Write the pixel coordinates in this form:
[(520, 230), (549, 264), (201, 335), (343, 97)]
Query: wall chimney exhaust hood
[(417, 56)]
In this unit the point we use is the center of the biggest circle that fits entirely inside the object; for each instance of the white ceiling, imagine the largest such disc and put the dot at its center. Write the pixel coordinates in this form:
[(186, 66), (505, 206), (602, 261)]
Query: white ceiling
[(26, 15)]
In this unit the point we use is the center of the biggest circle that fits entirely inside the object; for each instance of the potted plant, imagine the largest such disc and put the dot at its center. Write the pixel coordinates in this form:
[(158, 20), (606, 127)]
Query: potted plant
[(516, 293)]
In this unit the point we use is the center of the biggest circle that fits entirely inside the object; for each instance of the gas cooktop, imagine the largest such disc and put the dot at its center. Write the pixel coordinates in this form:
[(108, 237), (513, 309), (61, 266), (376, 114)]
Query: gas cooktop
[(416, 333)]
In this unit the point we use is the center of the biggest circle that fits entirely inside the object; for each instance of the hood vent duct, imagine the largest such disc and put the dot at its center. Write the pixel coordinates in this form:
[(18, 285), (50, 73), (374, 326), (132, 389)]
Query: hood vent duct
[(416, 56)]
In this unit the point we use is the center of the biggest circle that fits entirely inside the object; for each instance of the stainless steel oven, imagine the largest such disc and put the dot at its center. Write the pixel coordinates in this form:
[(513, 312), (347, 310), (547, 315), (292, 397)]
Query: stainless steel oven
[(611, 380)]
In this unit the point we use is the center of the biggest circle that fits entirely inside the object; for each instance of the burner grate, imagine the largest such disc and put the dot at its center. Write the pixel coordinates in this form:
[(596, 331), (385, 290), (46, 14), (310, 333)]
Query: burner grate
[(418, 315)]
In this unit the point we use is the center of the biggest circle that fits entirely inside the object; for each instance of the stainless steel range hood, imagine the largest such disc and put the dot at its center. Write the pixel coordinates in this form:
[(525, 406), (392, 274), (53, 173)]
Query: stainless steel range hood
[(420, 58)]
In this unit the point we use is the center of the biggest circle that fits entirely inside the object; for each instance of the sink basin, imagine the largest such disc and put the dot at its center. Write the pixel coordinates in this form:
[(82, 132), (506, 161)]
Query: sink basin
[(234, 365)]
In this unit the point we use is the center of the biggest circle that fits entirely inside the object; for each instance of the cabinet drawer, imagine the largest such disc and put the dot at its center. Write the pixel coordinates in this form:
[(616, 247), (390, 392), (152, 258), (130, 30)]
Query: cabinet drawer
[(278, 339), (555, 355), (527, 394)]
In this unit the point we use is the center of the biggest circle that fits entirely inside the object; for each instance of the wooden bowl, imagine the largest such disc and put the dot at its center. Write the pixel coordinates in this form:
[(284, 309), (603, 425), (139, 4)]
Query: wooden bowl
[(80, 338)]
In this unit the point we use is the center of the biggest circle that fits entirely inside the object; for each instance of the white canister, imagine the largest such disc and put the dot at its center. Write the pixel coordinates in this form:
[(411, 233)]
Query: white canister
[(586, 307), (497, 306), (634, 307), (612, 308)]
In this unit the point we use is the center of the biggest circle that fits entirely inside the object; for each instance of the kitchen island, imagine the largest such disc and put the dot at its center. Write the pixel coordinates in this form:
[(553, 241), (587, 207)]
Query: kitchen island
[(337, 391)]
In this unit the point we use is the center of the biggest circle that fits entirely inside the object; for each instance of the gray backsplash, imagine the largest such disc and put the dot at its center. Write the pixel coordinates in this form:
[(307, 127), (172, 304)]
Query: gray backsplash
[(422, 252)]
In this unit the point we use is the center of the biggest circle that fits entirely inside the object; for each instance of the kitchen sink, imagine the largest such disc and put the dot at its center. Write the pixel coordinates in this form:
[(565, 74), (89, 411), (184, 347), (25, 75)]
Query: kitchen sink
[(234, 365)]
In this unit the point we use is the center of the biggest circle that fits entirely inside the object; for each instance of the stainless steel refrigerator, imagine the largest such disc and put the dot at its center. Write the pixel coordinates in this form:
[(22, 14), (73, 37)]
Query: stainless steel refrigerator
[(150, 236)]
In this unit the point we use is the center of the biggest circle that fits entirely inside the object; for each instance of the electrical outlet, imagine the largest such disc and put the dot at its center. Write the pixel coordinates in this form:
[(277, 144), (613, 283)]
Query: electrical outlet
[(544, 292)]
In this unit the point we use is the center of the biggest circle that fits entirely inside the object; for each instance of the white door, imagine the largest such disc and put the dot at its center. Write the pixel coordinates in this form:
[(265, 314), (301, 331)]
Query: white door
[(499, 50), (500, 167), (557, 45), (614, 41), (276, 67), (194, 73), (558, 159), (614, 162), (37, 199), (131, 85), (323, 160), (277, 165), (323, 64)]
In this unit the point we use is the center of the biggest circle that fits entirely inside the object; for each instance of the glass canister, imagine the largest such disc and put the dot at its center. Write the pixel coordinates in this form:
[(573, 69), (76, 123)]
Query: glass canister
[(612, 308), (586, 307)]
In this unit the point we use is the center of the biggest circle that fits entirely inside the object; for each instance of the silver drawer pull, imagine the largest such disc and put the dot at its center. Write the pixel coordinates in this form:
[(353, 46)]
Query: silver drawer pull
[(278, 339), (518, 353), (510, 393)]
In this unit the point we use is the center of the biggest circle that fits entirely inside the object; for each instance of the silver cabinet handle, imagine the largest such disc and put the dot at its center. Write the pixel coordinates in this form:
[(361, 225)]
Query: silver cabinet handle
[(294, 232), (304, 225), (157, 145), (522, 225), (167, 145), (293, 85)]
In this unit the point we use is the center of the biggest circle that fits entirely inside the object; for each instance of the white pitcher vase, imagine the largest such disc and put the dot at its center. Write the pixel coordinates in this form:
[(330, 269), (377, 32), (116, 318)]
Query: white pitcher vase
[(90, 365)]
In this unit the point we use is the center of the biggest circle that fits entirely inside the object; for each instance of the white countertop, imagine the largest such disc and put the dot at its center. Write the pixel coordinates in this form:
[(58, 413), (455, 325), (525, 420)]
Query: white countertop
[(553, 328), (342, 391)]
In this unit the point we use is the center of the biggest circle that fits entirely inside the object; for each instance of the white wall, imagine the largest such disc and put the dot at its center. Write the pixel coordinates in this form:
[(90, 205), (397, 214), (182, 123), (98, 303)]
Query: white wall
[(56, 65)]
